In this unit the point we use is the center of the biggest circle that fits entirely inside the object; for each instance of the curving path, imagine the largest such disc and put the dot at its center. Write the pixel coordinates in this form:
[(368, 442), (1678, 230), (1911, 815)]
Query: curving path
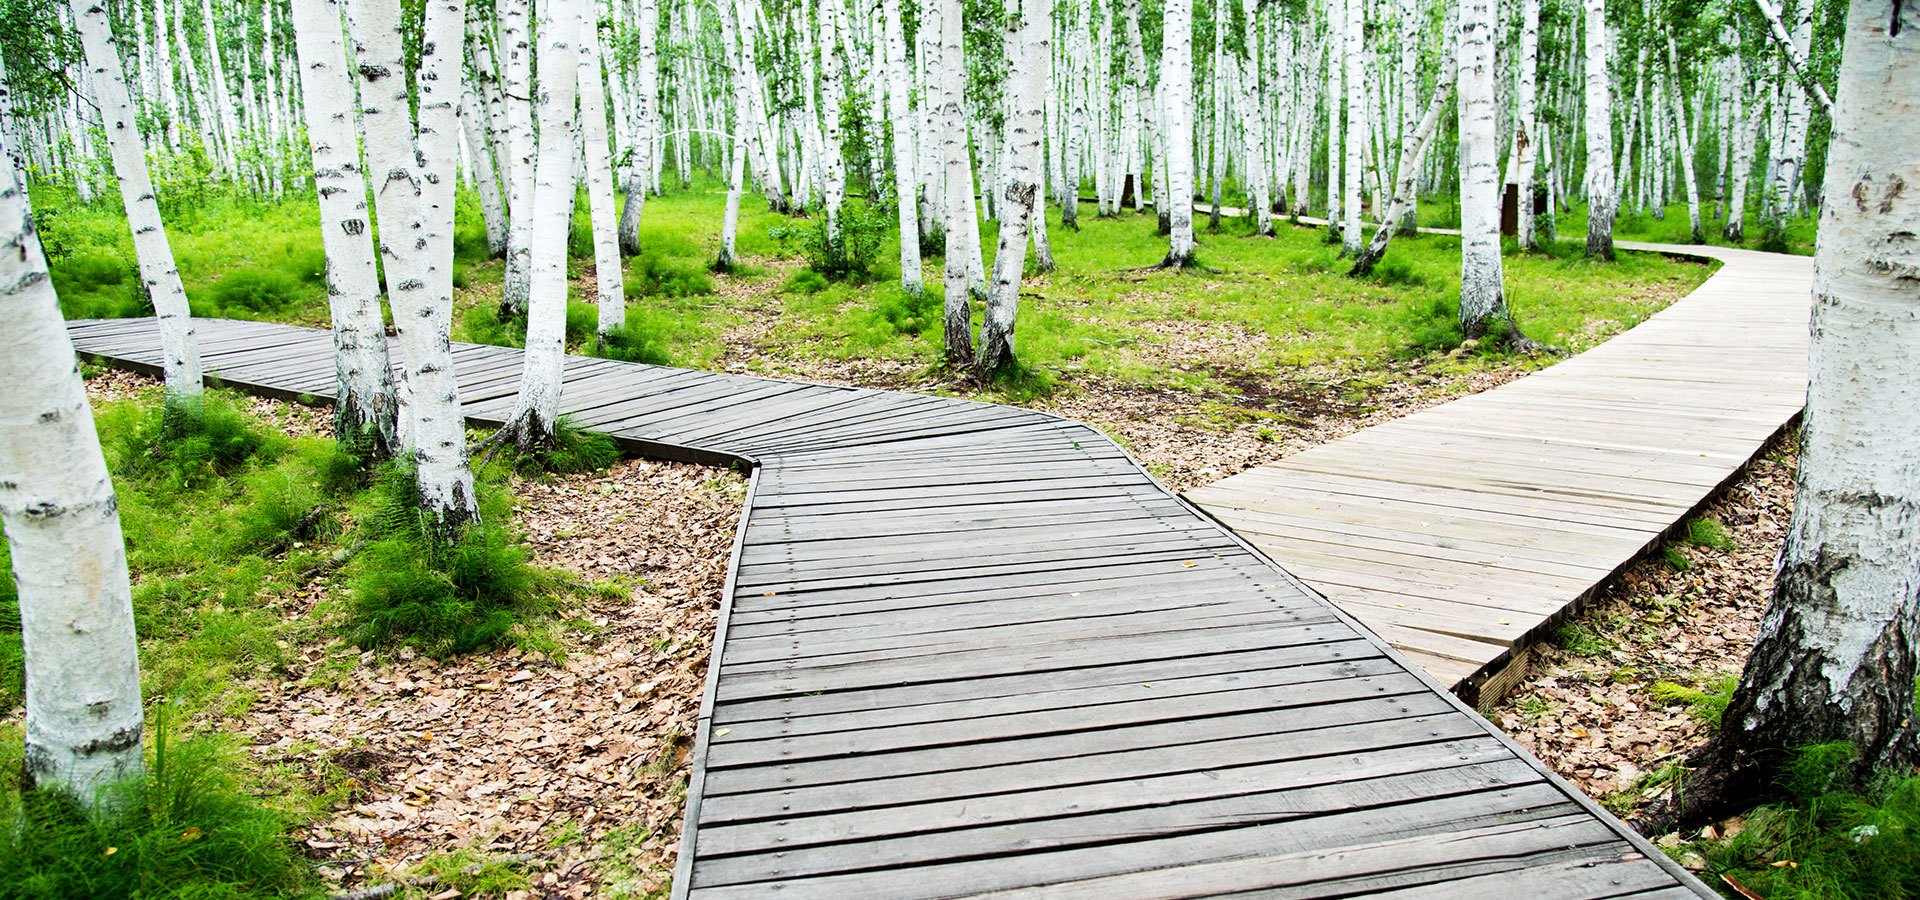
[(969, 650), (1462, 533)]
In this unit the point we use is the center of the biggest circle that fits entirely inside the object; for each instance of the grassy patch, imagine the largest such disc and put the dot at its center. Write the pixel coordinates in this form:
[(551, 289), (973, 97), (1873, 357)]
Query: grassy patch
[(408, 586), (1706, 703), (188, 830), (1822, 844), (1583, 640), (1710, 534)]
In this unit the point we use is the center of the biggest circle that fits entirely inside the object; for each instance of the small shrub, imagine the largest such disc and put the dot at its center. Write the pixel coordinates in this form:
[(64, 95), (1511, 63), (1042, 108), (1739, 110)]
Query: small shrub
[(482, 325), (848, 257), (250, 291), (189, 830), (410, 586), (805, 281), (653, 275), (309, 264), (1820, 843), (575, 450)]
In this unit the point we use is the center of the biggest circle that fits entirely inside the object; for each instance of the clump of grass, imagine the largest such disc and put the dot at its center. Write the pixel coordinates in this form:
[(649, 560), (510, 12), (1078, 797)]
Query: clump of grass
[(1825, 844), (482, 325), (250, 292), (642, 339), (1675, 558), (188, 830), (1706, 704), (184, 443), (653, 274), (411, 586), (574, 449), (1582, 640), (1710, 534), (13, 661), (805, 281)]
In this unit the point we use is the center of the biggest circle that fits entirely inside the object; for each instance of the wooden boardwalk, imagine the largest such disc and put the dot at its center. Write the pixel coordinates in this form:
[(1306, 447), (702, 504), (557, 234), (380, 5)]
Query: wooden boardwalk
[(971, 650), (1461, 533)]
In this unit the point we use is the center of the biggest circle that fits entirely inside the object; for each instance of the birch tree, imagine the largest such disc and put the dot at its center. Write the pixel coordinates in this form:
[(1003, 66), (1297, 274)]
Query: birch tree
[(536, 412), (62, 524), (609, 289), (905, 152), (365, 404), (1176, 75), (1526, 126), (962, 227), (1029, 45), (517, 86), (1602, 200), (1406, 183), (1482, 297), (180, 351), (413, 198), (1835, 658), (1354, 142)]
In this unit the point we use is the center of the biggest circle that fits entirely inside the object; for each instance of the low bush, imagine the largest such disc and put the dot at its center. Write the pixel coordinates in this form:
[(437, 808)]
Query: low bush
[(184, 443), (653, 275), (849, 256)]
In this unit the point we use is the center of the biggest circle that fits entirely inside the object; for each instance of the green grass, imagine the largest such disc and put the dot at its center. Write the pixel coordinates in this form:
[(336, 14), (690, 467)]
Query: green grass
[(1583, 640), (1823, 844), (188, 830), (1710, 534), (1706, 703)]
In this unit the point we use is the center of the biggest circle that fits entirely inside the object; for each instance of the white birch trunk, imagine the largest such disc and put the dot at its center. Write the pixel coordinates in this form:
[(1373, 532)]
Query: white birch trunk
[(1527, 133), (609, 287), (62, 524), (413, 197), (1029, 43), (833, 160), (645, 100), (363, 375), (180, 351), (221, 94), (905, 151), (1685, 136), (962, 226), (1481, 300), (1602, 201), (1353, 49), (1408, 174), (517, 87), (486, 176), (1834, 660), (1176, 73), (533, 420), (1783, 200)]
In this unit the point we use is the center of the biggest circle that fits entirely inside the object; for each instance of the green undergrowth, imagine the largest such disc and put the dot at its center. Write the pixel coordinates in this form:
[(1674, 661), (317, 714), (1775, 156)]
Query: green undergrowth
[(1819, 843), (189, 829), (412, 585)]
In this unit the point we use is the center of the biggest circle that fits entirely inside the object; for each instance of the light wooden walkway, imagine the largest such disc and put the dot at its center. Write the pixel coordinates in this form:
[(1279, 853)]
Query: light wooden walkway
[(971, 650), (1461, 533)]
